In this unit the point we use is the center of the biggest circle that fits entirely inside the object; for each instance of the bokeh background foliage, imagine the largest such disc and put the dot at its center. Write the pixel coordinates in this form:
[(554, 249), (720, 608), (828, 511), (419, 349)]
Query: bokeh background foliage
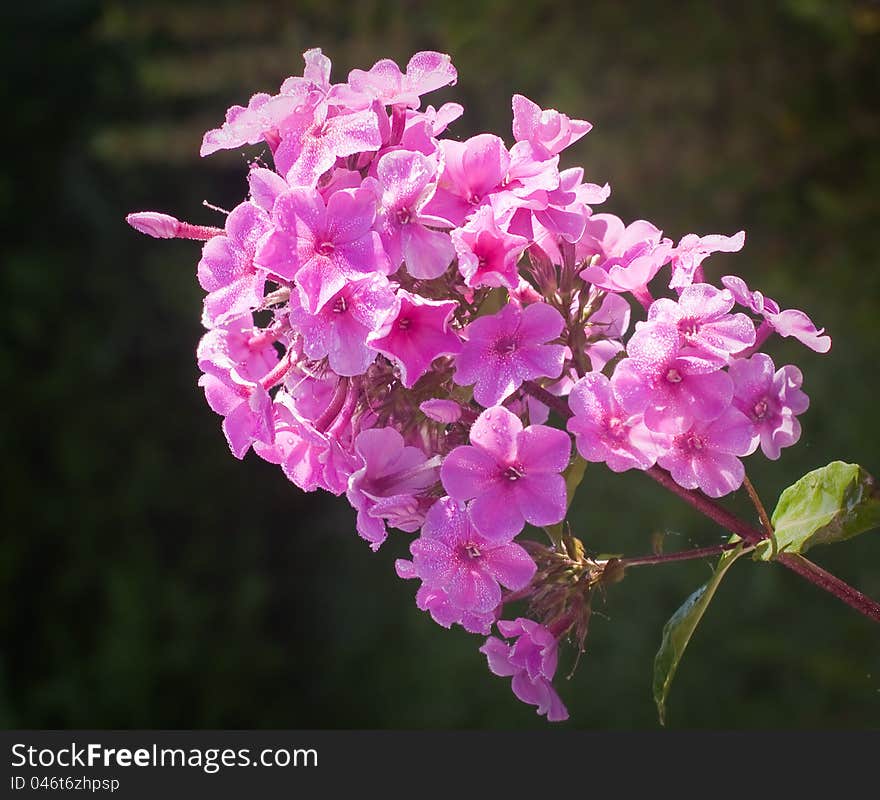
[(150, 580)]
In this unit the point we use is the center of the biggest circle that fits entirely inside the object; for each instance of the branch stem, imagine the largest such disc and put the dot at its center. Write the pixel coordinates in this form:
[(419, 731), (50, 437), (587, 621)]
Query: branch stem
[(720, 515), (802, 566), (832, 584), (708, 507)]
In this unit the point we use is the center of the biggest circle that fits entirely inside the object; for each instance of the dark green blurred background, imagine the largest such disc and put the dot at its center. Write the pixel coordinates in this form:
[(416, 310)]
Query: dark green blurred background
[(150, 580)]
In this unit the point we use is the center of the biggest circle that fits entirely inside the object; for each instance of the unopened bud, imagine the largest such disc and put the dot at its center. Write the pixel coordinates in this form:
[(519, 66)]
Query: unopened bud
[(446, 411), (152, 223)]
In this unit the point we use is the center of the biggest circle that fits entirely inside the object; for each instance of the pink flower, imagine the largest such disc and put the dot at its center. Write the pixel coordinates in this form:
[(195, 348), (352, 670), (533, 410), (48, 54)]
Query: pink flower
[(435, 601), (604, 432), (705, 456), (416, 335), (472, 171), (238, 352), (487, 256), (310, 457), (339, 330), (548, 128), (299, 450), (391, 471), (771, 399), (452, 556), (531, 660), (246, 412), (265, 187), (265, 114), (507, 348), (405, 185), (322, 247), (692, 250), (513, 474), (226, 270), (605, 329), (235, 358), (703, 322), (532, 176), (790, 322), (606, 236), (628, 258), (425, 72), (671, 386), (309, 146), (243, 125)]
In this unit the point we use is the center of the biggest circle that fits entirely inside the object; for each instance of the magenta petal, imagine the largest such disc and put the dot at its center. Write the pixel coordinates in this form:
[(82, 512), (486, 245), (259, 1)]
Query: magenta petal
[(433, 560), (704, 301), (495, 432), (484, 163), (632, 388), (472, 590), (543, 449), (720, 475), (797, 324), (319, 280), (429, 70), (498, 655), (540, 323), (350, 215), (511, 566), (496, 514), (541, 498), (239, 427), (221, 398), (467, 471), (495, 381), (731, 433), (265, 187), (591, 397), (709, 394), (541, 361), (427, 253)]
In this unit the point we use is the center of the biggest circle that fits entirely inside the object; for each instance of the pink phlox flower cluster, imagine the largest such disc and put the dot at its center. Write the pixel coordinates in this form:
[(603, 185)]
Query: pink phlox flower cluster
[(401, 317)]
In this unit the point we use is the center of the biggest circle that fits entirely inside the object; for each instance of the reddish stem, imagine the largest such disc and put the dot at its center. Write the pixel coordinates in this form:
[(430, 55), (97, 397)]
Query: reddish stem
[(832, 584), (748, 533), (200, 233), (707, 507), (802, 566)]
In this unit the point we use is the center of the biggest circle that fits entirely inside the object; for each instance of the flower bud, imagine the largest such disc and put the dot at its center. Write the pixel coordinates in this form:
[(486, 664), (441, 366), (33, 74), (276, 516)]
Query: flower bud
[(152, 223)]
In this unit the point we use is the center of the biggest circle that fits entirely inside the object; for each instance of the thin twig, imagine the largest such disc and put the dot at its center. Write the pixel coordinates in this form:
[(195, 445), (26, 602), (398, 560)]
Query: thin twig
[(682, 555)]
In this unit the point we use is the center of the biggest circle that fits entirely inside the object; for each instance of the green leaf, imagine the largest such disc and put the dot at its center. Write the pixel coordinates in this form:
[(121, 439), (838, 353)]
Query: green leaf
[(573, 474), (681, 626), (827, 505)]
